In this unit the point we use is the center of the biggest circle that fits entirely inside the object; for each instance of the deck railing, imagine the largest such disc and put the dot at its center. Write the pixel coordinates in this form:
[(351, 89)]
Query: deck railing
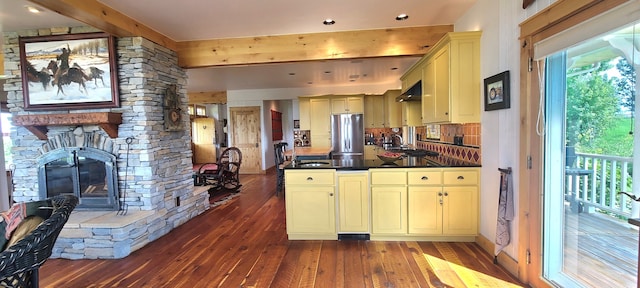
[(599, 189)]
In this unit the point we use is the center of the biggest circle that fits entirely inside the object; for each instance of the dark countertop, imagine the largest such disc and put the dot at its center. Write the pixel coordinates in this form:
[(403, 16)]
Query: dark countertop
[(405, 162)]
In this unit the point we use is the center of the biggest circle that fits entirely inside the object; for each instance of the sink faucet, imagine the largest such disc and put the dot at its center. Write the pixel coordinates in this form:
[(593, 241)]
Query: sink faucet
[(399, 137)]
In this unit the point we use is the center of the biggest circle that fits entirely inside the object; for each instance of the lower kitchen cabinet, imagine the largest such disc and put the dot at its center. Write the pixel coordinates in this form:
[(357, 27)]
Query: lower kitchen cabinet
[(310, 204), (389, 210), (370, 152), (388, 201), (425, 210), (353, 202), (439, 204)]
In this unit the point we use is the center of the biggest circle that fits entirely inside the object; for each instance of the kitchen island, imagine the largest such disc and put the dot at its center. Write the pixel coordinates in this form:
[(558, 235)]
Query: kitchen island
[(430, 198)]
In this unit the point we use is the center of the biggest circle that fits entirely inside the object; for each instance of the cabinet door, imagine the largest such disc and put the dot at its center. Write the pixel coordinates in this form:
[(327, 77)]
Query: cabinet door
[(412, 113), (441, 100), (393, 110), (428, 93), (320, 113), (425, 210), (353, 202), (460, 210), (310, 210), (370, 152), (389, 210), (355, 104), (374, 111), (339, 105), (305, 120)]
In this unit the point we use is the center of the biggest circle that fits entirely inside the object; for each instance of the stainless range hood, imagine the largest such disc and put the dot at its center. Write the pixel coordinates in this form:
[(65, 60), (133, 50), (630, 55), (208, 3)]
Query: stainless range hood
[(412, 94)]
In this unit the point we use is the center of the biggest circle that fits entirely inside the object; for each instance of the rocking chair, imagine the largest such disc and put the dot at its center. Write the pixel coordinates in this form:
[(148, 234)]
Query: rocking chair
[(225, 174)]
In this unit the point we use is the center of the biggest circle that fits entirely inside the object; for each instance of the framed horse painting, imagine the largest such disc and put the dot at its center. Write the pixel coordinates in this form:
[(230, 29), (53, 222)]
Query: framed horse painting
[(72, 71)]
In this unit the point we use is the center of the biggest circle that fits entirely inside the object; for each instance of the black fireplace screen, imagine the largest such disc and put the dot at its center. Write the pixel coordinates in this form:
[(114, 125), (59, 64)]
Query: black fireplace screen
[(87, 173)]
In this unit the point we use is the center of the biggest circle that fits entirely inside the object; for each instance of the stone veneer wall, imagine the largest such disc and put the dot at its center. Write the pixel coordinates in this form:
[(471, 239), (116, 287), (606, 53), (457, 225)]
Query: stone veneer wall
[(159, 162)]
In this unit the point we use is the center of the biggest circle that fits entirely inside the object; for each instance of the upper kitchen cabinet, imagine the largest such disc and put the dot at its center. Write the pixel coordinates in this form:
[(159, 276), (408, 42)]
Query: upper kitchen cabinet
[(374, 111), (320, 118), (303, 106), (347, 104), (456, 80), (450, 79), (411, 113), (393, 109)]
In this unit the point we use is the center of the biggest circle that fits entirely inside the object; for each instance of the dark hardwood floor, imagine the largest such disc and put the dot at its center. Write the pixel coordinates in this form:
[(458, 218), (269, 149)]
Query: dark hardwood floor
[(243, 243)]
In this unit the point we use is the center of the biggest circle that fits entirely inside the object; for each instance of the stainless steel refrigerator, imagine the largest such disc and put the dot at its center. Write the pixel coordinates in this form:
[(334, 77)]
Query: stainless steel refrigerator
[(347, 136)]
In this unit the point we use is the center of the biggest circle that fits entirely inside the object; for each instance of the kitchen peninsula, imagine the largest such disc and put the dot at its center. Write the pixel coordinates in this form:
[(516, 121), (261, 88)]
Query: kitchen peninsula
[(430, 198)]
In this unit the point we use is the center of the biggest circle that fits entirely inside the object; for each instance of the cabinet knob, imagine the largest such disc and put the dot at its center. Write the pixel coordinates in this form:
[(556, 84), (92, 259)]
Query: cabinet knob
[(460, 177), (309, 178), (330, 194), (424, 178), (446, 194), (439, 193)]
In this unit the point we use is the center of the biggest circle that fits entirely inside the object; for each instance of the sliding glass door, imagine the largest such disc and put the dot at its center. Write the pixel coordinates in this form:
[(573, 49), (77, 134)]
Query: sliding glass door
[(589, 139)]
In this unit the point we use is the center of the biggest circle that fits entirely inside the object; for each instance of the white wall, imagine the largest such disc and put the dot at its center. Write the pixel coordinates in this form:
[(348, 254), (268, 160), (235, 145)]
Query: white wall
[(500, 51)]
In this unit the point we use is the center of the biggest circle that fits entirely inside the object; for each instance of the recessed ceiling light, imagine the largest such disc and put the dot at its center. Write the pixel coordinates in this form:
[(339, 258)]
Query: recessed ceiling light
[(328, 21), (33, 9), (402, 17)]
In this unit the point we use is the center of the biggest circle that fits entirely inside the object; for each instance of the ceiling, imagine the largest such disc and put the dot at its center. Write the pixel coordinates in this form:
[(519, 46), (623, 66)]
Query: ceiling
[(213, 19)]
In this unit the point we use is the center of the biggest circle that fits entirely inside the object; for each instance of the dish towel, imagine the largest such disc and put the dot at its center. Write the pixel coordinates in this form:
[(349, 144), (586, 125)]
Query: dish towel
[(505, 213)]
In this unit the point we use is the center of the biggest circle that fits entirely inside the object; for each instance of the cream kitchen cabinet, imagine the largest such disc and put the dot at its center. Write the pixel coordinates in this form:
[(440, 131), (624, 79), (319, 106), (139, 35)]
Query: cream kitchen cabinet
[(393, 109), (353, 202), (319, 114), (411, 113), (460, 201), (428, 203), (310, 204), (350, 104), (388, 202), (444, 205), (451, 76), (303, 107), (370, 152), (374, 113)]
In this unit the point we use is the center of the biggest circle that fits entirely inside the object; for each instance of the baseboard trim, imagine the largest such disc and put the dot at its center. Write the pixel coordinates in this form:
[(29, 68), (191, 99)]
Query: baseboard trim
[(504, 260)]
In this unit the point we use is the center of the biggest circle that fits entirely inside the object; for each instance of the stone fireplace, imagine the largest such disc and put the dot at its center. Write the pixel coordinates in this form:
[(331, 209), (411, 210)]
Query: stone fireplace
[(148, 167), (88, 173)]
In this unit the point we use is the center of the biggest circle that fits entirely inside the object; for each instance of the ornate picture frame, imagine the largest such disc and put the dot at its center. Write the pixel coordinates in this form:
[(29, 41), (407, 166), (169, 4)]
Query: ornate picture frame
[(71, 71)]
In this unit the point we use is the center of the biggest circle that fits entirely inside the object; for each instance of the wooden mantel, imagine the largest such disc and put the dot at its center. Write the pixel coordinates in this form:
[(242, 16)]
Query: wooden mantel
[(38, 123)]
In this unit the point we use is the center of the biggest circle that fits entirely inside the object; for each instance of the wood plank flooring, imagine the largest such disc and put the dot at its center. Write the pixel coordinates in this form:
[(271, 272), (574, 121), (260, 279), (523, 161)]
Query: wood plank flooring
[(243, 243)]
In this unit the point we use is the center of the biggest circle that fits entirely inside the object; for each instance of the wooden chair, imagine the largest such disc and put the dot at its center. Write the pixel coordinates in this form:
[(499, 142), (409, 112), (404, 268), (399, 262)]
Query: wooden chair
[(225, 174), (279, 149)]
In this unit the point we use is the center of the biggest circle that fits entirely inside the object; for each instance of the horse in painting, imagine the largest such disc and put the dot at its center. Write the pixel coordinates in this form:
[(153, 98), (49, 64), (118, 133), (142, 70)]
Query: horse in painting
[(65, 78), (34, 75)]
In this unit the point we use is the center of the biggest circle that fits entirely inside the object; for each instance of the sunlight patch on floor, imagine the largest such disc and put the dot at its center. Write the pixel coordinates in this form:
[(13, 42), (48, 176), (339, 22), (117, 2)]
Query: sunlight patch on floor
[(455, 275)]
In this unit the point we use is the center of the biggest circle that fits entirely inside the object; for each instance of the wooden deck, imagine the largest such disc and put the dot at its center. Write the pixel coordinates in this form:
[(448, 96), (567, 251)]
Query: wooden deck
[(603, 252), (243, 243)]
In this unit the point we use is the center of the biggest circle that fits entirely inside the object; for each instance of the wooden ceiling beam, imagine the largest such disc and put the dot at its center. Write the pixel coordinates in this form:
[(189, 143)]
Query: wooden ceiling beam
[(214, 97), (100, 16), (411, 41)]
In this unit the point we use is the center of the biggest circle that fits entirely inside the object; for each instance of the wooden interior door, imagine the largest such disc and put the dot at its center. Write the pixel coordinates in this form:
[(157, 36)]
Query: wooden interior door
[(204, 149), (245, 134)]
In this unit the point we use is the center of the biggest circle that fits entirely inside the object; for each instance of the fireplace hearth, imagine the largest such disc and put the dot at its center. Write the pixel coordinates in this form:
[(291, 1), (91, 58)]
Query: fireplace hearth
[(88, 173)]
